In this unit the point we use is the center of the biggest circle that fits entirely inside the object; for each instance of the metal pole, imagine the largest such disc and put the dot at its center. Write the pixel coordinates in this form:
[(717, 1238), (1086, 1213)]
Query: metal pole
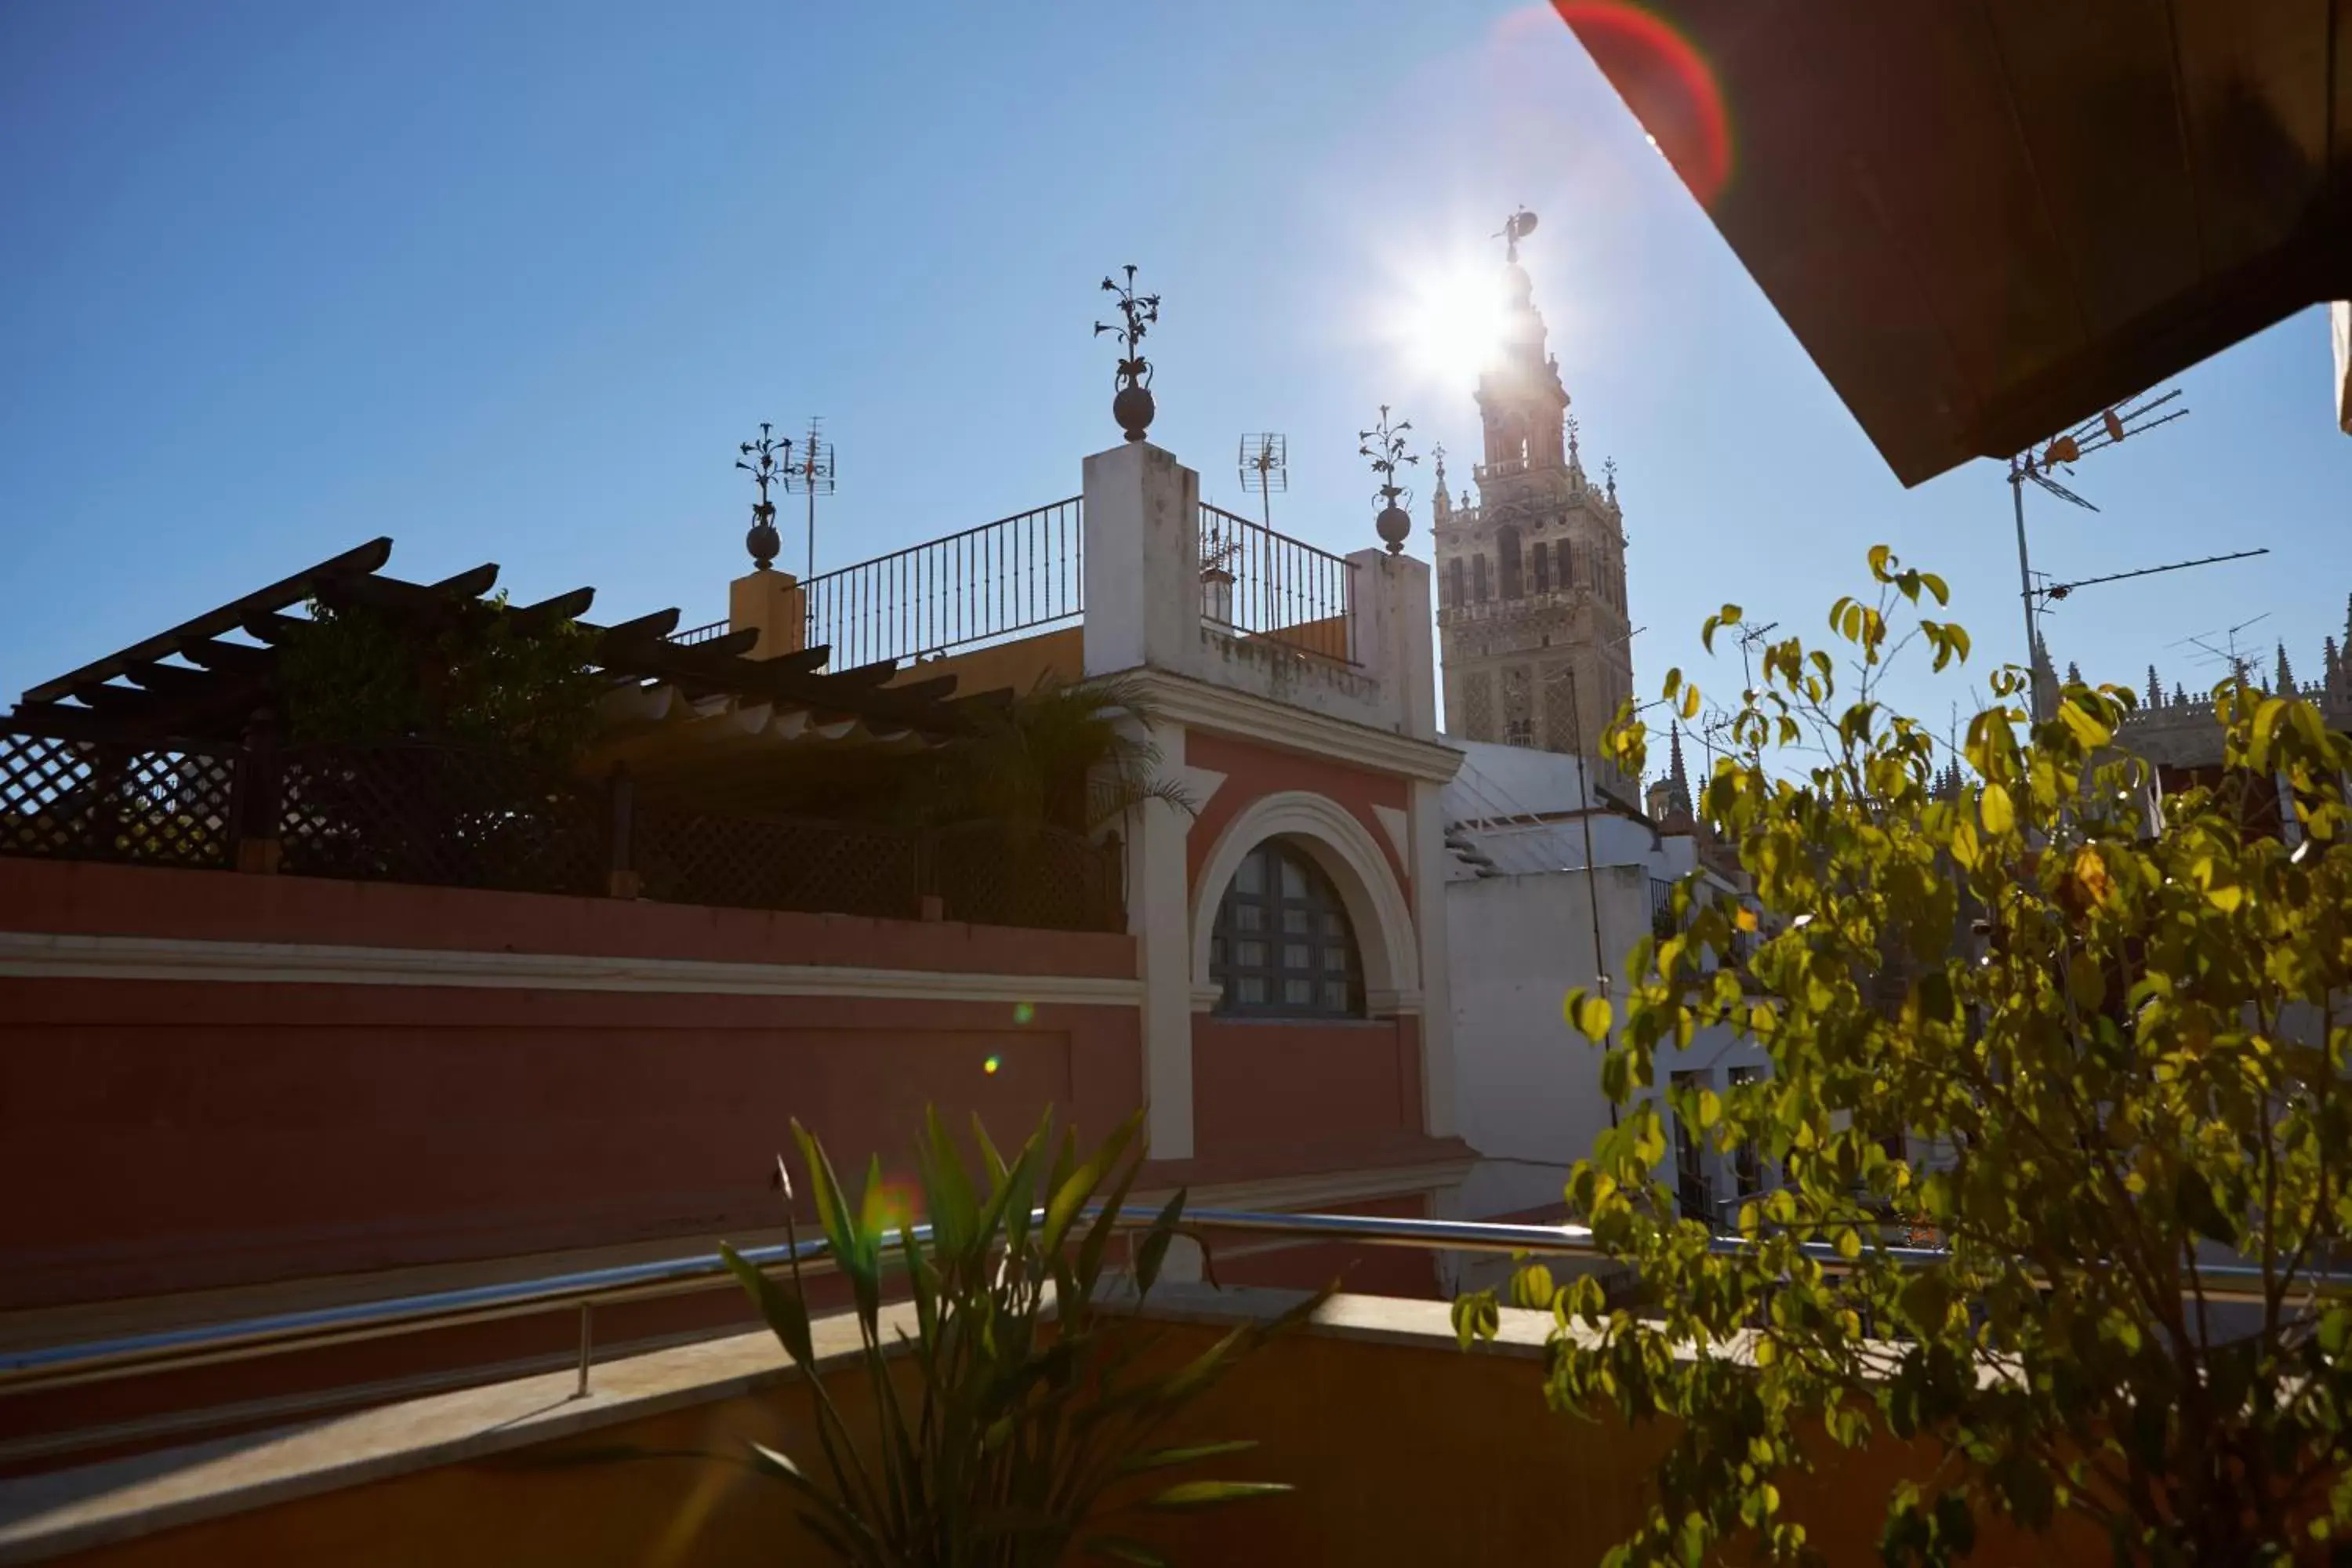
[(2025, 597), (811, 528), (1591, 873), (587, 1337)]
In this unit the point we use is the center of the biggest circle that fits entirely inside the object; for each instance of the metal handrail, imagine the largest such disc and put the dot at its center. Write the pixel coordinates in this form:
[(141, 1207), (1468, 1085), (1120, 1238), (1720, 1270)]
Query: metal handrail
[(91, 1360)]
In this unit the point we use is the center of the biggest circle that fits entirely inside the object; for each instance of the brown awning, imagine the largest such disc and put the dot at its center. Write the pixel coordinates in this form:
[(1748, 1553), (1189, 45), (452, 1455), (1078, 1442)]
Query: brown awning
[(1986, 220)]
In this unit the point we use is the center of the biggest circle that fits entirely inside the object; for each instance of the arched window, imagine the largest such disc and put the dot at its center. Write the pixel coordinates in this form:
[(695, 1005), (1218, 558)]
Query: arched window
[(1507, 546), (1567, 566), (1281, 946), (1479, 578), (1541, 559), (1453, 581)]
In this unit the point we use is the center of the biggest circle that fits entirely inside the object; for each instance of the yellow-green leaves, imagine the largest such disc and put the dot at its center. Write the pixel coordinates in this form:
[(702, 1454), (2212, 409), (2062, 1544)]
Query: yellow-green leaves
[(2029, 1049), (1999, 815), (2087, 727), (1589, 1014)]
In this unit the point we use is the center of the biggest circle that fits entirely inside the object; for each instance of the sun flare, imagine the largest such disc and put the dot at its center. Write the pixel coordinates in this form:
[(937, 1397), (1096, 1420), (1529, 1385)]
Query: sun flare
[(1450, 322)]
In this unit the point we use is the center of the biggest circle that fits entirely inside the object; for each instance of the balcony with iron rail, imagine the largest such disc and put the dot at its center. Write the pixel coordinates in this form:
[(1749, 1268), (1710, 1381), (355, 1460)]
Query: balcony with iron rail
[(1134, 573)]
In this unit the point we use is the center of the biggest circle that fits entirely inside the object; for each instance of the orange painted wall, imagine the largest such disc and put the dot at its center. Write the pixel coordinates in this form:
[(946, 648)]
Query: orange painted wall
[(89, 899), (1252, 772), (185, 1136), (1056, 657), (1308, 1094)]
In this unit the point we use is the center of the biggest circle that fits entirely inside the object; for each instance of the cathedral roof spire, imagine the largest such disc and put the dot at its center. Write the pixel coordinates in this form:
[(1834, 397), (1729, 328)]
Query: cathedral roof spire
[(1678, 793)]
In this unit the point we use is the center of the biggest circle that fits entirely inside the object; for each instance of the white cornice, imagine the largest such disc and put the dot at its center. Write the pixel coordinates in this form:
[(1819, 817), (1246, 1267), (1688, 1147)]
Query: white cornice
[(42, 955), (1220, 710)]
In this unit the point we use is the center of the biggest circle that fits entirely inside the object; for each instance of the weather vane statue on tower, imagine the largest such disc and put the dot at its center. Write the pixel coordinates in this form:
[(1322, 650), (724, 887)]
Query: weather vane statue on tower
[(1515, 228), (1132, 406)]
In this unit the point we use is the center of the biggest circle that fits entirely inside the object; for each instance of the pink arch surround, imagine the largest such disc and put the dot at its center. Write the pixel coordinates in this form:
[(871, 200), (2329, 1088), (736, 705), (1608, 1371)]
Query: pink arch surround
[(1344, 849)]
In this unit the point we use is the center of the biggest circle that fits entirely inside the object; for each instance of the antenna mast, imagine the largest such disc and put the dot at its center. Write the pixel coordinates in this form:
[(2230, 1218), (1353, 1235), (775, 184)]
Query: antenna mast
[(2092, 435), (1266, 471), (811, 475)]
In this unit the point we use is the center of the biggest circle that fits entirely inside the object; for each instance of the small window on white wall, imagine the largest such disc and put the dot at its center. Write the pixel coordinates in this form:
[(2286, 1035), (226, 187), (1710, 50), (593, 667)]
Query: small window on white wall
[(1281, 946)]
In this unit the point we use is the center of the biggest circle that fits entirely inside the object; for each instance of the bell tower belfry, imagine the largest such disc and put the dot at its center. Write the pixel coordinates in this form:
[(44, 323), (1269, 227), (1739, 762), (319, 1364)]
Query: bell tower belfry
[(1531, 618)]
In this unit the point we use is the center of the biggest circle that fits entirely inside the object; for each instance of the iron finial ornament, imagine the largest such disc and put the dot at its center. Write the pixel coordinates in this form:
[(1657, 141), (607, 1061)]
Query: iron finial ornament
[(1384, 444), (765, 460), (1608, 468), (1132, 406)]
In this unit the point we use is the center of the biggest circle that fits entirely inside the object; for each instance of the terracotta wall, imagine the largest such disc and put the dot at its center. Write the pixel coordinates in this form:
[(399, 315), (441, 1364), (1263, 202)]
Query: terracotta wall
[(1254, 771), (186, 1136), (1056, 657), (84, 898), (1305, 1094), (183, 1135)]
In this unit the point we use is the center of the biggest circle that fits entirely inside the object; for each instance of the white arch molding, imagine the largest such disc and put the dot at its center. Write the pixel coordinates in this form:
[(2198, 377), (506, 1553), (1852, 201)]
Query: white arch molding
[(1337, 841)]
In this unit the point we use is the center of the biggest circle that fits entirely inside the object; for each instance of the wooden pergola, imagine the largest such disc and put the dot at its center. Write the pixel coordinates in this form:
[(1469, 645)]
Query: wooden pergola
[(707, 710)]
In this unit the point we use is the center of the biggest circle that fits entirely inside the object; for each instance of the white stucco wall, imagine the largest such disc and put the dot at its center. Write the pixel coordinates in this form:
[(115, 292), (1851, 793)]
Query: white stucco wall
[(1518, 941)]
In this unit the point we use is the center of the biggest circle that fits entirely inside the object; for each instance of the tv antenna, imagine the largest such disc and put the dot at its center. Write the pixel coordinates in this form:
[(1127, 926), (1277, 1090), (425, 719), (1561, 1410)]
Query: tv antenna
[(1750, 638), (2228, 654), (1266, 470), (2096, 433), (2057, 591), (811, 474)]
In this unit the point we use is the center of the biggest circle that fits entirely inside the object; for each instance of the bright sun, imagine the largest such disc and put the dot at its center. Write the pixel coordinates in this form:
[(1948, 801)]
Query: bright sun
[(1449, 323)]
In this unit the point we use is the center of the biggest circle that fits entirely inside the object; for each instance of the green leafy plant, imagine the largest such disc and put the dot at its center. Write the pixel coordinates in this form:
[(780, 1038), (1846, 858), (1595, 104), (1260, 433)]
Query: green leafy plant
[(1069, 755), (2091, 1052), (470, 671), (1038, 1410)]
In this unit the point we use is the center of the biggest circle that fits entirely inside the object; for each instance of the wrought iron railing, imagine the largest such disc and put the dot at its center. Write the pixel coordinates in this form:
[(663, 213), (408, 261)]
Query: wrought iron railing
[(455, 816), (1264, 586), (1018, 575), (707, 632)]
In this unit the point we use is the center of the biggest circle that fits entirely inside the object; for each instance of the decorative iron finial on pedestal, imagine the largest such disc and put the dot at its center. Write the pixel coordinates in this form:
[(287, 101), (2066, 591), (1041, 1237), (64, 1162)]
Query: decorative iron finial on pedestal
[(1574, 459), (1132, 406), (769, 459), (1384, 444), (1609, 467)]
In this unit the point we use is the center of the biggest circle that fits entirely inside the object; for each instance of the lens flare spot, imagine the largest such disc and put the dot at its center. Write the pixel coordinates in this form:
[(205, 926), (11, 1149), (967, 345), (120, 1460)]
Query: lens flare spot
[(991, 1063), (1024, 1012), (1665, 81), (890, 1205)]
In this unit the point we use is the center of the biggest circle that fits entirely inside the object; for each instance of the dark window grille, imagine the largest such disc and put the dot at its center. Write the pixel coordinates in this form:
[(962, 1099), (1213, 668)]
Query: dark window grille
[(1479, 578), (1541, 560), (1662, 908), (1283, 946), (1453, 581), (1694, 1193), (1506, 545), (1747, 1165)]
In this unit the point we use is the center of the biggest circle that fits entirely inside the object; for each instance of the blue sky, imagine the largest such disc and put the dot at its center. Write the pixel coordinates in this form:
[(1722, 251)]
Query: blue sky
[(508, 282)]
